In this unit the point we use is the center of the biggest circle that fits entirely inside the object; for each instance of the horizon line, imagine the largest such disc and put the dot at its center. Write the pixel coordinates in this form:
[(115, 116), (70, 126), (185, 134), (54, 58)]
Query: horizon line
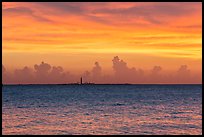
[(108, 84)]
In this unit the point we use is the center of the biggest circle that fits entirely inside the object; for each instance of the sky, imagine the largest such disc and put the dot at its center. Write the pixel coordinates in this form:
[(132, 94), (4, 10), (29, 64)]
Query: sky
[(106, 42)]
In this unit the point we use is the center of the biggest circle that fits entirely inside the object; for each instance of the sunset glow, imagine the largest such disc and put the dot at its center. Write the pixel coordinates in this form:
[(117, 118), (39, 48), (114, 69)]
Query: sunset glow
[(76, 35)]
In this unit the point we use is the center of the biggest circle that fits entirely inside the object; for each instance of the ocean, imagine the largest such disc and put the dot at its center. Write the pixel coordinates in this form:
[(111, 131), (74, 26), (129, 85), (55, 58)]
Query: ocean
[(102, 109)]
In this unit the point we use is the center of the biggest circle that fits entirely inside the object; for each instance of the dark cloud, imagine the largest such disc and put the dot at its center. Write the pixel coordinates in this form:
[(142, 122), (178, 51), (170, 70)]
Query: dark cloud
[(155, 13), (23, 11), (70, 7), (169, 9), (152, 13), (74, 8), (101, 20), (64, 7), (17, 11)]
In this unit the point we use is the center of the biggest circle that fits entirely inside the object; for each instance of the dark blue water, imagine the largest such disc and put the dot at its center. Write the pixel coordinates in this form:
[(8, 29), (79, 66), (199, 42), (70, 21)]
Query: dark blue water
[(102, 109)]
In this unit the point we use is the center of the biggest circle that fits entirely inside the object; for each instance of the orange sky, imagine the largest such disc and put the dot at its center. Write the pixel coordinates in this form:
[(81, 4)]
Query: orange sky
[(75, 35)]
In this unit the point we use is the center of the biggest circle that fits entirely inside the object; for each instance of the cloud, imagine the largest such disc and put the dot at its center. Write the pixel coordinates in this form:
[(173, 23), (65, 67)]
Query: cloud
[(95, 75), (96, 71), (190, 27), (119, 65), (183, 75), (3, 69), (24, 75), (24, 11), (57, 70), (17, 11), (5, 75), (42, 71), (155, 75), (156, 70), (183, 70), (86, 76), (63, 7), (45, 73), (153, 13), (43, 68), (56, 75), (79, 9), (107, 13), (122, 72)]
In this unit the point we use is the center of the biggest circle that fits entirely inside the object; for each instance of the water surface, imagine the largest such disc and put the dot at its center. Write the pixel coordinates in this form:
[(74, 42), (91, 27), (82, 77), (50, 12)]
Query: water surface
[(102, 109)]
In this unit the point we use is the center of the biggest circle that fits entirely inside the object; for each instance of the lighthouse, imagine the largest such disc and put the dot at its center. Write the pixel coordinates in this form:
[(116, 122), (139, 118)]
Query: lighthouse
[(81, 81)]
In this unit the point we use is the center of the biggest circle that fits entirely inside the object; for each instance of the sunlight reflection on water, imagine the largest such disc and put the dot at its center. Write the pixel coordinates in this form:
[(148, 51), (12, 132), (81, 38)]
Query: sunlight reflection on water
[(102, 109)]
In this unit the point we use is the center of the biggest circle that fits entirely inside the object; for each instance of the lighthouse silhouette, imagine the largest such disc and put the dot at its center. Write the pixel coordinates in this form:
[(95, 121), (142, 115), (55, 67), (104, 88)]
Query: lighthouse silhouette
[(81, 81)]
